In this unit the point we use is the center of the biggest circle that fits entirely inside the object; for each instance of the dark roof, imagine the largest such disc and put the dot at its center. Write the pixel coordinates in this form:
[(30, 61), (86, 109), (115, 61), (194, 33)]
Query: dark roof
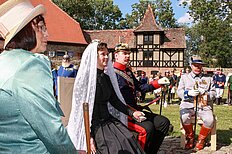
[(112, 37), (148, 23), (61, 27)]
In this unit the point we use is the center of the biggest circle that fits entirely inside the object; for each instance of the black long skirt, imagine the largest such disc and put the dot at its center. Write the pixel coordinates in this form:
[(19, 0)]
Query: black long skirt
[(112, 137)]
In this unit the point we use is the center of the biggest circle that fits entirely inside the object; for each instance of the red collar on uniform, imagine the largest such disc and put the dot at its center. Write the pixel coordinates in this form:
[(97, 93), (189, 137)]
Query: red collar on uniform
[(119, 66)]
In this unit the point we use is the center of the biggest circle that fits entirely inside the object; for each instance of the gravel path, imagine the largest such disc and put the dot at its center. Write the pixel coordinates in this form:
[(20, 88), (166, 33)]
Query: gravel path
[(171, 145)]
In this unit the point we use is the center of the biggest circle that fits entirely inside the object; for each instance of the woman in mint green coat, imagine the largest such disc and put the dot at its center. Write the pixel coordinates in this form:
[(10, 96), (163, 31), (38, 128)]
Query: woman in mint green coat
[(30, 120)]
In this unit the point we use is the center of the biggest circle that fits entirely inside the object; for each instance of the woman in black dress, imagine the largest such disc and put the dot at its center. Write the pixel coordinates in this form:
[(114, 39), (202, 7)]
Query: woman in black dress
[(108, 134)]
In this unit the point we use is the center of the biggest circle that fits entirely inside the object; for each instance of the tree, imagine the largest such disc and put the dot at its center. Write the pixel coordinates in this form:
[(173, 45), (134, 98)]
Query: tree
[(212, 30), (192, 42), (162, 10), (165, 14), (106, 14), (92, 14)]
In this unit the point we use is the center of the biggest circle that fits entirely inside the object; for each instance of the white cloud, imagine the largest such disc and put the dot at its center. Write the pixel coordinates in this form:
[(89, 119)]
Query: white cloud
[(185, 19), (188, 1)]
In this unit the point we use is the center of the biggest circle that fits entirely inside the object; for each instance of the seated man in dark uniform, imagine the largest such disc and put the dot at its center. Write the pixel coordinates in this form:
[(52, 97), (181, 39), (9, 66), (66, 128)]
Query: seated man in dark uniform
[(151, 131)]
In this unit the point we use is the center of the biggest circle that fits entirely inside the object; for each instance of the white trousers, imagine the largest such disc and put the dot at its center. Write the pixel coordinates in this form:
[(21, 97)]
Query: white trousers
[(205, 114), (219, 92)]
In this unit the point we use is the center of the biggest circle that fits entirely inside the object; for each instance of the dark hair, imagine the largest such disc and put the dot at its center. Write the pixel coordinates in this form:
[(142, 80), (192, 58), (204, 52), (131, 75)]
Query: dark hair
[(26, 37), (101, 46)]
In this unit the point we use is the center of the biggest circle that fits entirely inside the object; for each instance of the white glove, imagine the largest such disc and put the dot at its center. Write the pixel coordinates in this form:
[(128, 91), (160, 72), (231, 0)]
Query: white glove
[(163, 81), (201, 91), (139, 116), (193, 92)]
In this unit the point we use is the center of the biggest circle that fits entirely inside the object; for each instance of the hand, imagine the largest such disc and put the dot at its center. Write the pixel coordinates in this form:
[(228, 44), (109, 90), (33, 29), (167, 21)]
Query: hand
[(139, 116), (201, 91), (193, 92), (92, 145), (163, 81)]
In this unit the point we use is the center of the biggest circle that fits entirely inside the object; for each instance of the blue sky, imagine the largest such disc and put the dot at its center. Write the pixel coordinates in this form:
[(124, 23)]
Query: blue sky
[(180, 13)]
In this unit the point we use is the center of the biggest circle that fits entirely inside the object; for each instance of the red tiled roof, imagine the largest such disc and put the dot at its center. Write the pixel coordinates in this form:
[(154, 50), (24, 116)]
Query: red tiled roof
[(174, 38), (61, 27), (112, 37), (148, 23)]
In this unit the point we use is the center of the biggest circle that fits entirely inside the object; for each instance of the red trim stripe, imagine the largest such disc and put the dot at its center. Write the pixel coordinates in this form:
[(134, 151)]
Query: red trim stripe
[(142, 134)]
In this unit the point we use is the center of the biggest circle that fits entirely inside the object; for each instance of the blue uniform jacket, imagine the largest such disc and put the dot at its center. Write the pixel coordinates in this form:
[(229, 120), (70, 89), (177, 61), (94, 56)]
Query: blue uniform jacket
[(68, 72), (219, 79), (128, 89)]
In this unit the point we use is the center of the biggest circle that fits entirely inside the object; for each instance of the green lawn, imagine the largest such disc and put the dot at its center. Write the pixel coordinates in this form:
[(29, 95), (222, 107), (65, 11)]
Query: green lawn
[(223, 114)]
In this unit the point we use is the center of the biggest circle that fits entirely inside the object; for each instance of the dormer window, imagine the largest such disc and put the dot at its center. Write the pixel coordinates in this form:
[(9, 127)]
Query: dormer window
[(148, 39)]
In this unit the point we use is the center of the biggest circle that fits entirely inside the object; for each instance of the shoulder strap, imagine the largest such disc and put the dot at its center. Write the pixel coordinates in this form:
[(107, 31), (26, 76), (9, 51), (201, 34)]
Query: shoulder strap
[(124, 75)]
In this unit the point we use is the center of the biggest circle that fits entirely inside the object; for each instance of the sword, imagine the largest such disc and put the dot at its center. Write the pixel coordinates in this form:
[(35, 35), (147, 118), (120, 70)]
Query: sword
[(195, 102), (162, 97), (152, 102), (146, 106)]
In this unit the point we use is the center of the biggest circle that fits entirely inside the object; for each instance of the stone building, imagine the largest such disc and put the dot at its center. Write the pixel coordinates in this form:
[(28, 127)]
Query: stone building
[(153, 47)]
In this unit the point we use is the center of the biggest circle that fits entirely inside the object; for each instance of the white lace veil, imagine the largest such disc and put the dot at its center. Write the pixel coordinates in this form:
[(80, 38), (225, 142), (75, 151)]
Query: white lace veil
[(84, 91)]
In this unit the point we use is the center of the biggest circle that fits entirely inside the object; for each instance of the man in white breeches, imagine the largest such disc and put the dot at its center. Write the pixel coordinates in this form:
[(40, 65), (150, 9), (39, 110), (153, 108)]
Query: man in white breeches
[(191, 86)]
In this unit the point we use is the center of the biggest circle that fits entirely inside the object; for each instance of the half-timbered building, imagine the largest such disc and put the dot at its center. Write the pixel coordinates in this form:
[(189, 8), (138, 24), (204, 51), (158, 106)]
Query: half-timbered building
[(153, 48)]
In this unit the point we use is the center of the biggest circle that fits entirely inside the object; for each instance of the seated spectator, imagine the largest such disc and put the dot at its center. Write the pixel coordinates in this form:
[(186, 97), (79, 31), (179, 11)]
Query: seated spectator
[(67, 70)]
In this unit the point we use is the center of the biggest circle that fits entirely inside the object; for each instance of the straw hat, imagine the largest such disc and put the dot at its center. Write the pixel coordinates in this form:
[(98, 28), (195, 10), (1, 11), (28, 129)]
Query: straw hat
[(196, 59), (14, 15)]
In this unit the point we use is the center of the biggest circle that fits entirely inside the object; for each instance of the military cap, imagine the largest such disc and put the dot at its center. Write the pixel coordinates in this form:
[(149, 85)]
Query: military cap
[(196, 59), (122, 46)]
